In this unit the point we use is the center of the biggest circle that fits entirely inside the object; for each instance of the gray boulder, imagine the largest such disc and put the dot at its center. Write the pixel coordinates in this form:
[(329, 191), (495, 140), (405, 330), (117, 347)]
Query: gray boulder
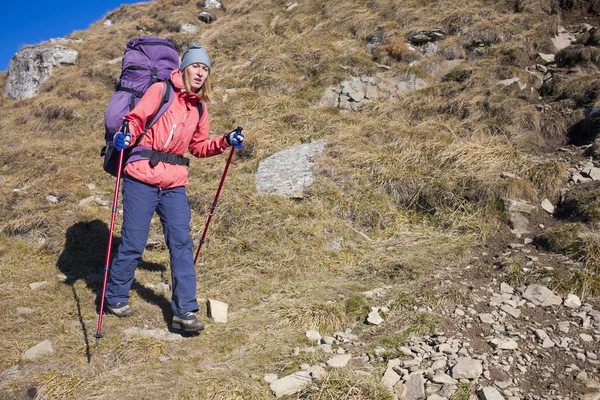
[(32, 66), (288, 172), (39, 350)]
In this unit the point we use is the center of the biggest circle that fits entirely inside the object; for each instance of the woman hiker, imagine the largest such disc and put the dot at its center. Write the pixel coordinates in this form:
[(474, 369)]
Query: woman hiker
[(151, 184)]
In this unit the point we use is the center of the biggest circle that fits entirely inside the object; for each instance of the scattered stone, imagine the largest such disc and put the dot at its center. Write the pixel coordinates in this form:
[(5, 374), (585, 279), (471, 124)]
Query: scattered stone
[(188, 28), (401, 391), (207, 17), (486, 318), (586, 338), (217, 310), (374, 318), (423, 36), (339, 361), (415, 386), (24, 310), (467, 368), (317, 372), (390, 378), (490, 393), (212, 4), (444, 379), (270, 378), (510, 310), (518, 206), (39, 350), (291, 384), (548, 207), (508, 82), (592, 172), (52, 199), (37, 285), (541, 296), (101, 202), (562, 40), (549, 58), (313, 336), (591, 396), (504, 344), (506, 288), (572, 301)]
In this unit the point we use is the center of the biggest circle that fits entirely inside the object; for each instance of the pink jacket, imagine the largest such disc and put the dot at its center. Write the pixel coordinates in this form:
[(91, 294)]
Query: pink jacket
[(176, 131)]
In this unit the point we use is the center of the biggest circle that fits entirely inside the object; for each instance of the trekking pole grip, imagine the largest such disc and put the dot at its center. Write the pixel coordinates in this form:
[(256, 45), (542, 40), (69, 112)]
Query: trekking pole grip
[(125, 129)]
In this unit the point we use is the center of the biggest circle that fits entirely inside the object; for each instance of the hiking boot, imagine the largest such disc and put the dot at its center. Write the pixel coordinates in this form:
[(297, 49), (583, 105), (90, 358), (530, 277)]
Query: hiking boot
[(121, 310), (187, 322)]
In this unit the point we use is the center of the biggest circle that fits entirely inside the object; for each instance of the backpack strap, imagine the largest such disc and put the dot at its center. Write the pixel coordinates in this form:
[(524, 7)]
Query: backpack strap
[(200, 110), (165, 102)]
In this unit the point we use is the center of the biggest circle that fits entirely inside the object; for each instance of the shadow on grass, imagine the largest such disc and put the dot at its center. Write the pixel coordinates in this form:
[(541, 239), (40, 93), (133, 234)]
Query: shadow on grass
[(583, 132), (84, 258)]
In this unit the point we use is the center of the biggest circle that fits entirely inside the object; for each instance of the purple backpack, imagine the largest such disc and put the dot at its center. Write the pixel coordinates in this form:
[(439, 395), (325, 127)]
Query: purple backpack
[(146, 60)]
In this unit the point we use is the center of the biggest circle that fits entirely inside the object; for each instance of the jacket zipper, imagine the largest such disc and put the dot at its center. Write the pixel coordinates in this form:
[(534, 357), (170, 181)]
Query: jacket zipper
[(172, 134)]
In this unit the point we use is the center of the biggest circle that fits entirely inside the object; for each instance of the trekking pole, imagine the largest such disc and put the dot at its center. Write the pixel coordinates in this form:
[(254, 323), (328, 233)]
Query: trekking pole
[(214, 204), (98, 334)]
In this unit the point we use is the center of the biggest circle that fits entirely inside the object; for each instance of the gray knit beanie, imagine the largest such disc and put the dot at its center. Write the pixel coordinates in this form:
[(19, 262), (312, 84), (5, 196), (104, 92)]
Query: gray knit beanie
[(195, 54)]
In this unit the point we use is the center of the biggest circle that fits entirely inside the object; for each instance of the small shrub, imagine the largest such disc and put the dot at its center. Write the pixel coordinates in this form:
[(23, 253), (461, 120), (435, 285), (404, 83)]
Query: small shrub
[(565, 239), (342, 384), (395, 50), (357, 307), (582, 203), (513, 271), (458, 75), (463, 392), (548, 178)]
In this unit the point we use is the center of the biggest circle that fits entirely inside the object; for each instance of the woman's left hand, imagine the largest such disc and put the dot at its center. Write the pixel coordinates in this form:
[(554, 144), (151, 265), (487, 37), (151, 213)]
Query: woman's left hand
[(235, 139)]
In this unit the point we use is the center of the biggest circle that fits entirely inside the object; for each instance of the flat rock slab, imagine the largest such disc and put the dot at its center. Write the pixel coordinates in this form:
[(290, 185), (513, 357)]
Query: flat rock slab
[(339, 361), (217, 310), (490, 393), (288, 172), (39, 350), (291, 384), (541, 296), (467, 368)]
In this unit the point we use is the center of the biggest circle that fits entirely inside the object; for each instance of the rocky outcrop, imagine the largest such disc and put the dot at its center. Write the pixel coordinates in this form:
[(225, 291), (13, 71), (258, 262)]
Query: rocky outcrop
[(356, 92), (32, 66)]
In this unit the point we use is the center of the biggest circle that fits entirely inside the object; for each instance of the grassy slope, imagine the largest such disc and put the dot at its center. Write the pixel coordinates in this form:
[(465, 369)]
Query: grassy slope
[(423, 189)]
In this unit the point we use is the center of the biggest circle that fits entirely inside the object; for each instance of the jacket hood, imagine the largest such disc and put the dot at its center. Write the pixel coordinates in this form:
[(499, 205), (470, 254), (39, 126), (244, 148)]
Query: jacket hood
[(177, 79)]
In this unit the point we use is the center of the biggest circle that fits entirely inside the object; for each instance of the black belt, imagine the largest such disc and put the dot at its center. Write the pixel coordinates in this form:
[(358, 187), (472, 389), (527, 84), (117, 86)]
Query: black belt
[(157, 156)]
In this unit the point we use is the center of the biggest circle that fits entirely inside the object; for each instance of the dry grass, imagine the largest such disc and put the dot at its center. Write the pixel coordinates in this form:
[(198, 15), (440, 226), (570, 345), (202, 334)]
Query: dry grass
[(405, 187)]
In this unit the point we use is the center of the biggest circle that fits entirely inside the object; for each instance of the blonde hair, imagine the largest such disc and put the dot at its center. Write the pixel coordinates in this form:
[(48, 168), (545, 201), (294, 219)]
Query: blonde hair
[(204, 92)]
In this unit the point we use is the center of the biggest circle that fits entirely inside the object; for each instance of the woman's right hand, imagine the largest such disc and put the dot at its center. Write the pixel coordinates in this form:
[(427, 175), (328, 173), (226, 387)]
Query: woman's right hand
[(121, 141)]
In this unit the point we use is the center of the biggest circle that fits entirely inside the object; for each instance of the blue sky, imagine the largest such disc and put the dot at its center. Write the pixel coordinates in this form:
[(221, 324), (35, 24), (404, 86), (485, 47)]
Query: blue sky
[(34, 21)]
